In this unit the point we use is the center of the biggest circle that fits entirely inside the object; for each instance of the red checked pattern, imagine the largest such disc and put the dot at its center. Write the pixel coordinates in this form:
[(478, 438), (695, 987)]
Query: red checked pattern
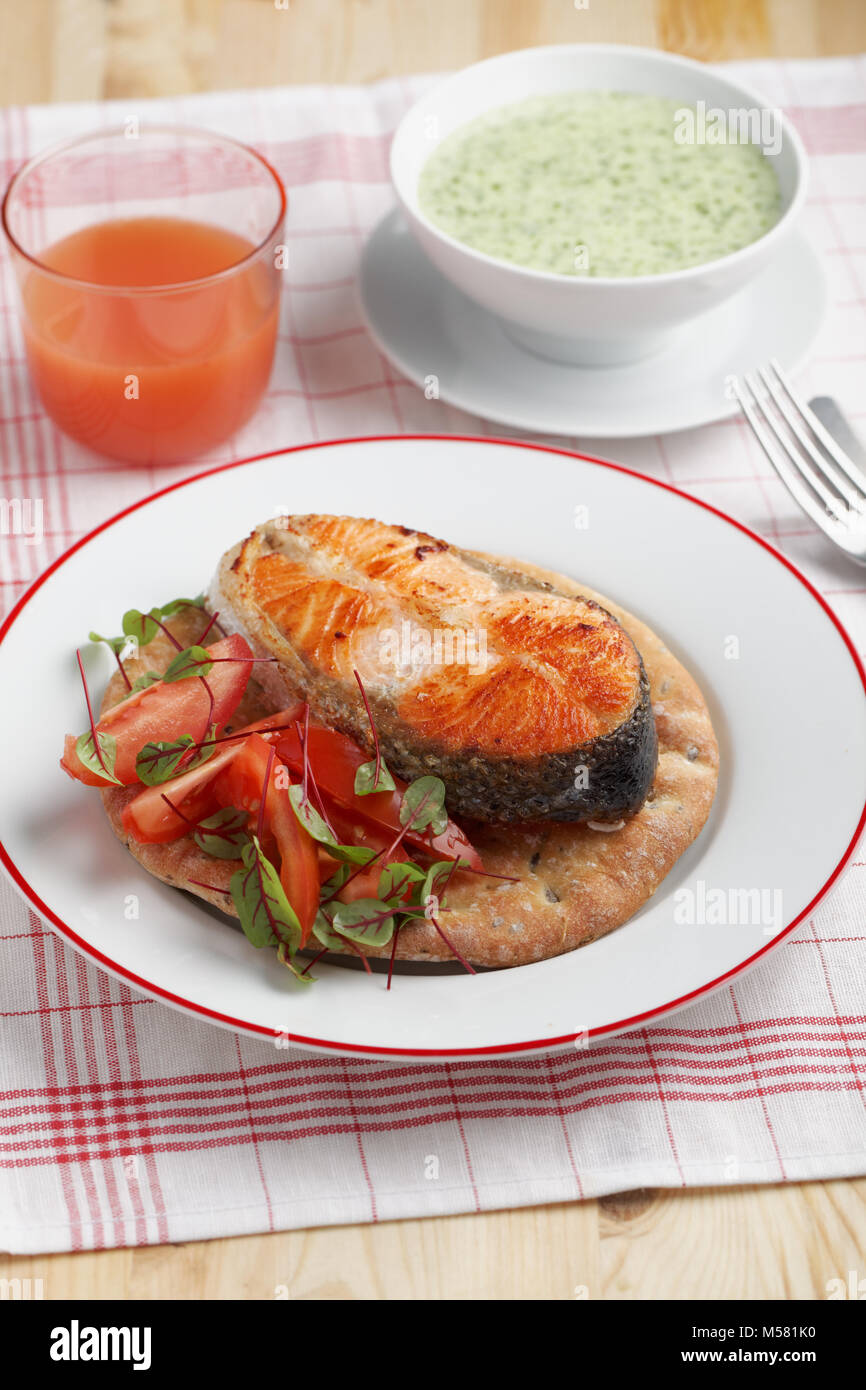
[(123, 1122)]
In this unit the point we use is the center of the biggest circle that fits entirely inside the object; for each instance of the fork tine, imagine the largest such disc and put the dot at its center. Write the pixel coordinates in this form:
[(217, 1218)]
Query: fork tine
[(832, 504), (821, 433), (812, 453), (782, 464)]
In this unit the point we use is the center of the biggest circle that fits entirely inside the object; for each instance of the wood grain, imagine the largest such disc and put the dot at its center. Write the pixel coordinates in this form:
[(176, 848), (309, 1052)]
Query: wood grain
[(733, 1243), (759, 1242), (60, 50), (707, 30)]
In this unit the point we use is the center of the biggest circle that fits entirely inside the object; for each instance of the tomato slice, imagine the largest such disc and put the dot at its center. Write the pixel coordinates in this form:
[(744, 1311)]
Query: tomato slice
[(276, 723), (327, 866), (240, 784), (351, 829), (334, 759), (150, 820), (166, 712)]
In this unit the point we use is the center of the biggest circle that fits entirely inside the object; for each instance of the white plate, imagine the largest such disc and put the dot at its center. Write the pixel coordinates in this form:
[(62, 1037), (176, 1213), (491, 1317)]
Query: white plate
[(429, 330), (789, 711)]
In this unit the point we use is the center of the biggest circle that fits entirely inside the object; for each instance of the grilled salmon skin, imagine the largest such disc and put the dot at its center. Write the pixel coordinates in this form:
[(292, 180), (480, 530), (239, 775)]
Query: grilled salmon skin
[(530, 703)]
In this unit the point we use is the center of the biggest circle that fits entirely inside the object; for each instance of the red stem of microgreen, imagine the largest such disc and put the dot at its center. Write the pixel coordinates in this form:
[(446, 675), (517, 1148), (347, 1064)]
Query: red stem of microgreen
[(308, 771), (399, 886), (451, 947), (506, 878), (210, 697), (212, 886), (212, 623), (178, 811), (265, 785), (445, 886), (96, 747), (195, 825), (351, 945), (358, 952), (376, 917), (317, 797), (232, 738), (393, 956), (170, 635), (265, 897), (121, 668), (318, 956), (213, 620), (309, 777), (387, 852), (302, 740), (372, 727)]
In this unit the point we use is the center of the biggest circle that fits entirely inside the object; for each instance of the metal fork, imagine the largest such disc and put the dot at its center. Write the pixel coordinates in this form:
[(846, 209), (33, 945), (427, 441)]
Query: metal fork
[(827, 483)]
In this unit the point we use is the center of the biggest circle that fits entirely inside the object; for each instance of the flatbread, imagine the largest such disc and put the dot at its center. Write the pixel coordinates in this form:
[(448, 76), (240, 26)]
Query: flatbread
[(575, 884)]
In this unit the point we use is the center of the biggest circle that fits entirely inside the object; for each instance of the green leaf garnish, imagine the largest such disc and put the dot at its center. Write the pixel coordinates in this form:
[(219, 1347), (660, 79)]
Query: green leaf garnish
[(158, 762), (265, 912), (308, 815), (284, 956), (206, 749), (333, 885), (224, 834), (194, 661), (98, 757), (141, 626), (168, 610), (315, 826), (116, 644), (142, 682), (367, 921), (396, 878), (423, 805), (325, 934), (367, 782), (436, 881)]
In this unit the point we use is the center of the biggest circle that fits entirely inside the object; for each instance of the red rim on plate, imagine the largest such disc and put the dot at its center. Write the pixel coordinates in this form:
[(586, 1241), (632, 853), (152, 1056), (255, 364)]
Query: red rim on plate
[(325, 1044)]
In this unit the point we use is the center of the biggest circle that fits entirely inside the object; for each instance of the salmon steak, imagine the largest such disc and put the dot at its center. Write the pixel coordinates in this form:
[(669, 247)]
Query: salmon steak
[(530, 702)]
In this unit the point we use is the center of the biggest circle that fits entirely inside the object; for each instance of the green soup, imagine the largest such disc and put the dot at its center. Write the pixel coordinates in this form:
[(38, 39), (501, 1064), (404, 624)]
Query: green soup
[(596, 183)]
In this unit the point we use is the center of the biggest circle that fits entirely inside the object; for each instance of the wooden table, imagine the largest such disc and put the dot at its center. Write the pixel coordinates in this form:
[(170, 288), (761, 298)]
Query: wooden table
[(67, 50), (752, 1242)]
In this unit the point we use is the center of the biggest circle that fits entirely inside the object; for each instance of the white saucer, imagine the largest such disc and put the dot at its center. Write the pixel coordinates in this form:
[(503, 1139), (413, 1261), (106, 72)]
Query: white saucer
[(428, 329)]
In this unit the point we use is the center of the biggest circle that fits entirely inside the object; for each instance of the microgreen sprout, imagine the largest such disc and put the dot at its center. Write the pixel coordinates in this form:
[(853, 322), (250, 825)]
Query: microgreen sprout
[(96, 750), (373, 776)]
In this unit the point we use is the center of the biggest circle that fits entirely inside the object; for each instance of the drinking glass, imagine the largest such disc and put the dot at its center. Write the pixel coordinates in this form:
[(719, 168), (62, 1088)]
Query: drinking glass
[(148, 262)]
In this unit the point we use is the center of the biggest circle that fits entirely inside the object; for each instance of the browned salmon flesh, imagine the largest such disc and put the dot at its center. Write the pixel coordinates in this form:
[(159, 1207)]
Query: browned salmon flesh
[(529, 703)]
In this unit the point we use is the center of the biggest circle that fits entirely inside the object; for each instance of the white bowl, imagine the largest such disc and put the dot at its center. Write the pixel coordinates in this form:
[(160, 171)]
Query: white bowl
[(572, 318)]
